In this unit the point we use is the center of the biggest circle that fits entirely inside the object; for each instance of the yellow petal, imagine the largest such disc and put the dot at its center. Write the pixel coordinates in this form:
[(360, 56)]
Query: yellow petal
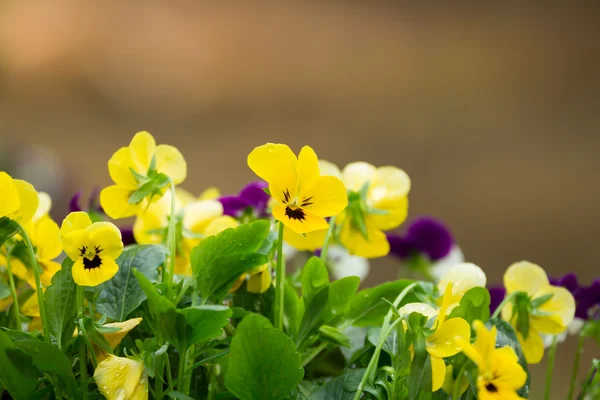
[(48, 243), (146, 225), (238, 284), (21, 271), (9, 196), (73, 222), (170, 162), (259, 282), (561, 305), (199, 214), (486, 341), (31, 307), (506, 369), (183, 265), (438, 373), (533, 346), (76, 243), (49, 269), (308, 242), (326, 197), (114, 338), (375, 246), (396, 211), (115, 202), (310, 222), (44, 205), (95, 276), (275, 164), (390, 183), (107, 237), (357, 174), (29, 200), (525, 276), (141, 150), (211, 193), (307, 171), (220, 224), (463, 277), (329, 169), (443, 342), (119, 169), (119, 378)]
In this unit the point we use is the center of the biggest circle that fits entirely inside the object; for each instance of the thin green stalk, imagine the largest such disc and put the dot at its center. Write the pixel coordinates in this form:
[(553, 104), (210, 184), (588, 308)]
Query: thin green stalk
[(504, 302), (280, 281), (550, 367), (457, 382), (212, 385), (374, 360), (158, 382), (88, 343), (325, 247), (38, 283), (172, 238), (169, 373), (82, 344), (587, 383), (181, 372), (576, 367), (13, 290), (315, 352)]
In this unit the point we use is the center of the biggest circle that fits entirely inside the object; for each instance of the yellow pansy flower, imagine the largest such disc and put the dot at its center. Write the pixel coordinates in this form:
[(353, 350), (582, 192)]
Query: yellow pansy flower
[(463, 277), (552, 315), (500, 374), (92, 247), (308, 242), (130, 167), (113, 338), (18, 199), (378, 201), (303, 196), (120, 378), (442, 343)]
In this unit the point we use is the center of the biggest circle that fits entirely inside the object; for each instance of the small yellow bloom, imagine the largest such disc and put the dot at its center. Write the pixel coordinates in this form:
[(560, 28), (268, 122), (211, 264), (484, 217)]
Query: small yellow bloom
[(551, 317), (500, 374), (92, 247), (378, 203), (120, 378), (303, 196), (131, 166), (463, 278), (114, 338), (18, 199)]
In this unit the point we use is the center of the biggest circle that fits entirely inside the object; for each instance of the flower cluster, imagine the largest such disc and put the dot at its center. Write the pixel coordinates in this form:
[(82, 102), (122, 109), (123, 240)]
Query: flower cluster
[(201, 304)]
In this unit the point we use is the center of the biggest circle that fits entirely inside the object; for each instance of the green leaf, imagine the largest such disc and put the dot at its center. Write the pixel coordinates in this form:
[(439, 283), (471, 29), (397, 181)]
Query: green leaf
[(4, 290), (314, 315), (259, 303), (292, 308), (367, 309), (333, 335), (17, 373), (420, 377), (263, 363), (204, 323), (342, 387), (122, 294), (48, 358), (314, 277), (218, 261), (341, 293), (591, 328), (61, 305), (152, 186), (474, 305), (8, 228)]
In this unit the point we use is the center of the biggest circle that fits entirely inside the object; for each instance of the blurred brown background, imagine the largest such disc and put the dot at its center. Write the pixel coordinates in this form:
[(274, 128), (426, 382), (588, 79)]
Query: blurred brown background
[(493, 112)]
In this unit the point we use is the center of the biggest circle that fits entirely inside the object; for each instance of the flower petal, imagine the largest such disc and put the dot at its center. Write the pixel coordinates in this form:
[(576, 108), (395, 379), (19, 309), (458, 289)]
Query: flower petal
[(533, 346), (310, 241), (506, 369), (142, 149), (220, 224), (212, 193), (170, 162), (107, 237), (75, 221), (119, 169), (44, 205), (561, 305), (199, 214), (375, 245), (463, 277), (396, 211), (29, 200), (326, 197), (311, 222), (119, 378), (357, 174), (390, 183), (259, 282), (49, 268), (115, 202), (276, 164), (48, 243), (438, 373), (329, 169), (307, 170), (525, 276), (421, 308), (114, 338), (76, 243), (485, 343), (95, 276), (9, 196), (443, 342)]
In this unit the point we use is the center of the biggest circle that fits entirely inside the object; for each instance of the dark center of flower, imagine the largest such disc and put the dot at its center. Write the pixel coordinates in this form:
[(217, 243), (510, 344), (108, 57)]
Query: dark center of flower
[(95, 262), (292, 211), (297, 214), (490, 387), (91, 259)]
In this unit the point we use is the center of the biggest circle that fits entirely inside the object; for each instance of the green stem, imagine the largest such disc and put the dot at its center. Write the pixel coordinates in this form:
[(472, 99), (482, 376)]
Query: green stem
[(587, 383), (169, 373), (172, 238), (315, 352), (325, 247), (88, 343), (374, 360), (38, 283), (550, 367), (181, 372), (280, 281), (82, 344), (13, 290), (576, 367), (458, 381), (504, 302), (213, 382), (158, 383)]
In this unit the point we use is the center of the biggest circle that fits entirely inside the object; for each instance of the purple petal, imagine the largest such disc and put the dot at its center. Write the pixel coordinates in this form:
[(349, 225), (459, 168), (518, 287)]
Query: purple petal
[(568, 281), (233, 205), (127, 236), (254, 195), (401, 246), (586, 299), (497, 294), (431, 237), (74, 203)]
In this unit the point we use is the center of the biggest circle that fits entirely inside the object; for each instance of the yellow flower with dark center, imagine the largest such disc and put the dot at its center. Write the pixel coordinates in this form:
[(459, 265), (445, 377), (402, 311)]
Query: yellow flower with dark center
[(540, 308), (92, 247), (303, 196), (500, 374), (378, 202), (18, 199), (133, 166), (120, 378)]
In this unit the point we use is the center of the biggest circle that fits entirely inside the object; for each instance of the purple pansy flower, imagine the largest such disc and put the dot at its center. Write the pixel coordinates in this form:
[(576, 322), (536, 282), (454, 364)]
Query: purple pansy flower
[(424, 235), (497, 294), (252, 195)]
